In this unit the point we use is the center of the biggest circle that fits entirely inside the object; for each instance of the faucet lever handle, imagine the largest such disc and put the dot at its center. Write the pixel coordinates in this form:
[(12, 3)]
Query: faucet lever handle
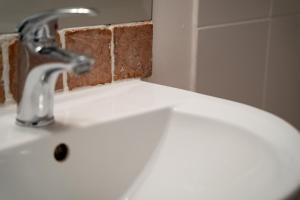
[(31, 27)]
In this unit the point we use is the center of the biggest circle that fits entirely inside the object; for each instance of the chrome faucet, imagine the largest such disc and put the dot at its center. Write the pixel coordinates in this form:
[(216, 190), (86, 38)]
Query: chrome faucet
[(37, 37)]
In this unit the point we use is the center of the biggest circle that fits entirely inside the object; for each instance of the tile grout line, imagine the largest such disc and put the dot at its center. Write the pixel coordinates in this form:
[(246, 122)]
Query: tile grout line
[(112, 53), (63, 46), (3, 75), (234, 23), (6, 68), (194, 46), (271, 8), (131, 24), (266, 71)]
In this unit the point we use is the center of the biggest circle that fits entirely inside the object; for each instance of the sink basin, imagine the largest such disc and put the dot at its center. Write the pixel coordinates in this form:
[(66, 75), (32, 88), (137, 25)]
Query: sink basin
[(135, 140)]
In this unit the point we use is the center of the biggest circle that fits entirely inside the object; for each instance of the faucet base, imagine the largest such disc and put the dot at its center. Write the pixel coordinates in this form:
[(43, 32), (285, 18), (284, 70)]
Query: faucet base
[(42, 122)]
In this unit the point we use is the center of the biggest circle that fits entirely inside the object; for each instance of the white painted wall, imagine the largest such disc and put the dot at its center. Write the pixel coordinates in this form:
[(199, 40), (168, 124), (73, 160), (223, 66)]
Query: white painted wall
[(172, 43)]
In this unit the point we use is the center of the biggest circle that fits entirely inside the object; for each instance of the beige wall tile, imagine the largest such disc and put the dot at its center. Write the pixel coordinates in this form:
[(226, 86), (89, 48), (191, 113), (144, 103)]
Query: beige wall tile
[(220, 11), (231, 62), (285, 7), (283, 83)]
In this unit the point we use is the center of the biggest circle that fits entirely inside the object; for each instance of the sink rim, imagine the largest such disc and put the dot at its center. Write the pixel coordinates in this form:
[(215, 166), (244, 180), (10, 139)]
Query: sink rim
[(152, 97)]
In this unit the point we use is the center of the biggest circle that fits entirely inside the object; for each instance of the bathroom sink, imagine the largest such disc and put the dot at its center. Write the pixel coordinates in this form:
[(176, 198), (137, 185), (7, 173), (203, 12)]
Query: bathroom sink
[(135, 140)]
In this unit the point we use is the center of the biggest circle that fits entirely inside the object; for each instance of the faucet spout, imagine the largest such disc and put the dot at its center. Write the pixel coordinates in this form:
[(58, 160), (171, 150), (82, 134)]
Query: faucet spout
[(37, 35), (70, 62), (36, 105)]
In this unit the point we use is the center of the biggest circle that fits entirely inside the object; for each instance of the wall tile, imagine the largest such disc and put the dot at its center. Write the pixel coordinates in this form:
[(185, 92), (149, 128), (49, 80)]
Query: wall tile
[(283, 83), (220, 11), (2, 96), (17, 81), (133, 51), (13, 52), (96, 44), (231, 62), (286, 7)]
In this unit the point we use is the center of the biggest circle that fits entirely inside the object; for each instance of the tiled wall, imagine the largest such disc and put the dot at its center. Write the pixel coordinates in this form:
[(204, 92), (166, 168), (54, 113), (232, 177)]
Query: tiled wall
[(249, 51), (120, 52)]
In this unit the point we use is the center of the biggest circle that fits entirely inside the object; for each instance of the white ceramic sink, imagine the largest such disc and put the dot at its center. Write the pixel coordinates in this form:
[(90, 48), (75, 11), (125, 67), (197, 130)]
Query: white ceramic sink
[(139, 141)]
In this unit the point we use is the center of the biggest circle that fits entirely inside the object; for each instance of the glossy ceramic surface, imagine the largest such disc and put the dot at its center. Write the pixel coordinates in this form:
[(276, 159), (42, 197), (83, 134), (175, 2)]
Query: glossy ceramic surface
[(136, 140)]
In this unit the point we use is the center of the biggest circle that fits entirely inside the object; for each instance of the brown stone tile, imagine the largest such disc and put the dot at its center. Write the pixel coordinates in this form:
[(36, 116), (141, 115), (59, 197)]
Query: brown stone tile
[(16, 80), (13, 52), (94, 43), (133, 51), (2, 96)]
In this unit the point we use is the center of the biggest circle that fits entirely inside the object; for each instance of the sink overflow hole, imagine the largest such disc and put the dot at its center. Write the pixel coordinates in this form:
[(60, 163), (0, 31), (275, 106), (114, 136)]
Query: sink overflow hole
[(61, 152)]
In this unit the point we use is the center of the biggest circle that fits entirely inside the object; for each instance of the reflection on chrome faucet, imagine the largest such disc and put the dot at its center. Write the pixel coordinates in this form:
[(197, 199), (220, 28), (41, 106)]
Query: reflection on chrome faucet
[(37, 35)]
